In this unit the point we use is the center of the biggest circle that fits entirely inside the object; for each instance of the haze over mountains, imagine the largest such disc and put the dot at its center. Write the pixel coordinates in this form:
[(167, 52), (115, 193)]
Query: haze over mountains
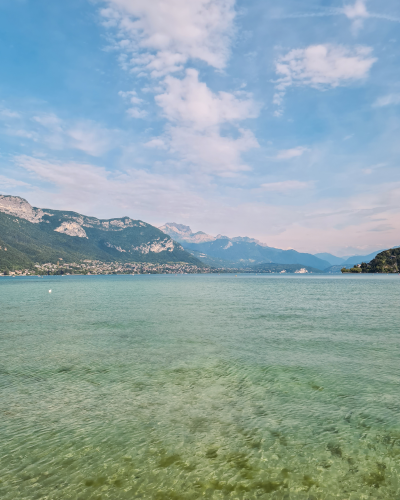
[(243, 251)]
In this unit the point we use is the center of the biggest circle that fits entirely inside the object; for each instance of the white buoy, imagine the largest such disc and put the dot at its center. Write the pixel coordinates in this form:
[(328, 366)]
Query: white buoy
[(49, 291)]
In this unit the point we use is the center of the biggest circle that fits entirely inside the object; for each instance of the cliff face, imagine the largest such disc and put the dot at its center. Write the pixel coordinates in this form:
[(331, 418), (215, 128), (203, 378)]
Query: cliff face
[(385, 262), (43, 235), (14, 205)]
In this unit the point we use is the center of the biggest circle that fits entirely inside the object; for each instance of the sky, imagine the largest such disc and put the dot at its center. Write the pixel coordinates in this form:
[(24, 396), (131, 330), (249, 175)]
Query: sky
[(274, 120)]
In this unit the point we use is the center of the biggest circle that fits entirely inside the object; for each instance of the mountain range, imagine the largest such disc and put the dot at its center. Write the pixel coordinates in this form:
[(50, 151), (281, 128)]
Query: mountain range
[(237, 252), (30, 235), (222, 251), (347, 261)]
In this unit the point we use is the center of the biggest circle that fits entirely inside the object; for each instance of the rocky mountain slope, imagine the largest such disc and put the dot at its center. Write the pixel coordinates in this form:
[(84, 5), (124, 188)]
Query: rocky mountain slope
[(239, 251), (29, 235)]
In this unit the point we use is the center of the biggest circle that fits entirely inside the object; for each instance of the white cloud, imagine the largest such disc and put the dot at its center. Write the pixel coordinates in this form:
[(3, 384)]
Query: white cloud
[(132, 98), (286, 186), (136, 113), (287, 154), (162, 35), (387, 100), (196, 115), (192, 103), (358, 9), (356, 12), (322, 67), (156, 143), (210, 151)]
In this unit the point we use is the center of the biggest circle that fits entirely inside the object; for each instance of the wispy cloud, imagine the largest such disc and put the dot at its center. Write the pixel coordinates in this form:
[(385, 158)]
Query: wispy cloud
[(370, 170), (83, 135), (288, 154), (9, 183), (387, 100), (286, 186), (136, 192), (8, 113), (356, 12), (321, 67), (382, 228), (49, 130)]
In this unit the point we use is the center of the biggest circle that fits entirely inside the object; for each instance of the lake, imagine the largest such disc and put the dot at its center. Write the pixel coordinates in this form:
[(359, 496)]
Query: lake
[(200, 386)]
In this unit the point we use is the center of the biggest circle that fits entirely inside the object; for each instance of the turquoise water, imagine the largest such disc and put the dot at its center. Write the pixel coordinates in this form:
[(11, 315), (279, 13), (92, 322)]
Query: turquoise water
[(187, 387)]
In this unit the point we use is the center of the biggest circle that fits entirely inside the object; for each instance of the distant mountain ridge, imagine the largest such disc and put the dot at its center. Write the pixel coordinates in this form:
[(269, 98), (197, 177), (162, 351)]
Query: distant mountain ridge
[(347, 261), (29, 235), (239, 251), (332, 259)]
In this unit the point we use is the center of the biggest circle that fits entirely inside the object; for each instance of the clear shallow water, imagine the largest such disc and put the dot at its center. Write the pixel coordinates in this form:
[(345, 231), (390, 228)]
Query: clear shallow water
[(187, 387)]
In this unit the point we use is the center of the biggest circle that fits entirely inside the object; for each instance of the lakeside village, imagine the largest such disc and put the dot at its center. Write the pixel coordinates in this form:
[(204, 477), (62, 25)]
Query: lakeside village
[(93, 267)]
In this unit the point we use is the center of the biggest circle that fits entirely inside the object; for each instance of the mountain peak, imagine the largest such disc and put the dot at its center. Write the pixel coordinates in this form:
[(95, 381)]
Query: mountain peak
[(19, 207), (182, 233)]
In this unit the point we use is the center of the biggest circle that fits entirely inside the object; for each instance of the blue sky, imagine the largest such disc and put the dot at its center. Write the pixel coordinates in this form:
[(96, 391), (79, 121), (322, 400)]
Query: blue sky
[(242, 118)]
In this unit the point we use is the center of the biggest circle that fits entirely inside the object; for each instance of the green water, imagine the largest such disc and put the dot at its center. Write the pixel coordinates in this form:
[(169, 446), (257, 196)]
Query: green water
[(188, 387)]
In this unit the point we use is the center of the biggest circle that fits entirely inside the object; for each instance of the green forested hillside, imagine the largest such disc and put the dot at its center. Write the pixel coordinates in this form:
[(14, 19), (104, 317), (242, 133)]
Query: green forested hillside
[(125, 241), (385, 262)]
